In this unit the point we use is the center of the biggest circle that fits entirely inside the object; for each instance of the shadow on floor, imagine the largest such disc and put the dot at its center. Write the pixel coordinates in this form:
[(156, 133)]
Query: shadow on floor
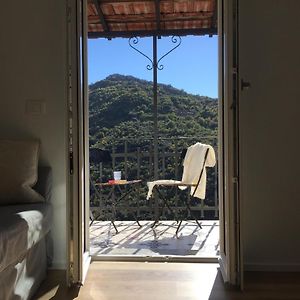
[(160, 240), (55, 288)]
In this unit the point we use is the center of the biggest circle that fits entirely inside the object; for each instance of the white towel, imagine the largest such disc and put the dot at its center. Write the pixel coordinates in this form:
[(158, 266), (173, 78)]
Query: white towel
[(192, 166), (152, 184)]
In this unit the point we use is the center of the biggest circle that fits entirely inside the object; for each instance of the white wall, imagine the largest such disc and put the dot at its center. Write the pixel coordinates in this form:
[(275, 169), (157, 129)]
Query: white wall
[(270, 110), (33, 66)]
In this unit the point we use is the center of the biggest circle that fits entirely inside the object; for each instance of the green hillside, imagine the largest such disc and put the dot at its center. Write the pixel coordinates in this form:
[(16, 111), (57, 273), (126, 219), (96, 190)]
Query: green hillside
[(121, 107)]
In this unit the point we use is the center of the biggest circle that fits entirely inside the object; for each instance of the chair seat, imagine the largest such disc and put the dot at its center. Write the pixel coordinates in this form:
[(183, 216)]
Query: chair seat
[(166, 182), (170, 182)]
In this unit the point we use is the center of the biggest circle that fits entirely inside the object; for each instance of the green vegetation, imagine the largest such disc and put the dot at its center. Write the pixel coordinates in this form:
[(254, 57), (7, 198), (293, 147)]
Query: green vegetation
[(121, 110), (121, 107)]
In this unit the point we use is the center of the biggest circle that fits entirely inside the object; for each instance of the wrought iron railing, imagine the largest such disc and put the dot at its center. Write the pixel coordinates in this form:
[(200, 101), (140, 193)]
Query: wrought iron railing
[(134, 158)]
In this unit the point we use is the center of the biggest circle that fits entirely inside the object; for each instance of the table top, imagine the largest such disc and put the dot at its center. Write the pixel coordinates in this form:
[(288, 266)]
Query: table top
[(119, 182)]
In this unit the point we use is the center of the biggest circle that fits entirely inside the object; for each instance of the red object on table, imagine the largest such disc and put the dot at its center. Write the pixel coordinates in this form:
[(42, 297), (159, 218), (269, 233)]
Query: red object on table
[(118, 182)]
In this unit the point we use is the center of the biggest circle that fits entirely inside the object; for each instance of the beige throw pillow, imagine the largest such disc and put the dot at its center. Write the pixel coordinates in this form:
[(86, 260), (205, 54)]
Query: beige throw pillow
[(18, 171)]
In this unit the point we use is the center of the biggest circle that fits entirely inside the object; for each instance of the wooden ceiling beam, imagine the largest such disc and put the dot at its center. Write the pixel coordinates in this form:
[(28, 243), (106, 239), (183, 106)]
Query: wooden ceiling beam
[(101, 16), (153, 21), (214, 19), (151, 18), (139, 1), (157, 13), (120, 1)]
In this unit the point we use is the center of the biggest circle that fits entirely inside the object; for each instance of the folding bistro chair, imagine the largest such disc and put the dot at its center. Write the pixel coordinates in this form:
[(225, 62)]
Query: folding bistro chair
[(197, 158)]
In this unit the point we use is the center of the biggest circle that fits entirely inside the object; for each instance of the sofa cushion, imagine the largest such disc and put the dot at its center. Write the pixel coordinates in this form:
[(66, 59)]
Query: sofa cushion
[(18, 169)]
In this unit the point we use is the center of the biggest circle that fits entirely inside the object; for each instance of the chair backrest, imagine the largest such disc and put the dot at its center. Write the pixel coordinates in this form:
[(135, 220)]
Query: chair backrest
[(180, 163), (201, 172)]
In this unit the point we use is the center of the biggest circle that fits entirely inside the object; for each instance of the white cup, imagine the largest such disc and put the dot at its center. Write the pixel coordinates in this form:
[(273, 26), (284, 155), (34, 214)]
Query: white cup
[(117, 175)]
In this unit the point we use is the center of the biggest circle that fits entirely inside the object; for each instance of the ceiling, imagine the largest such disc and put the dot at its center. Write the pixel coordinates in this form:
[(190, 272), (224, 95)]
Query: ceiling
[(125, 18)]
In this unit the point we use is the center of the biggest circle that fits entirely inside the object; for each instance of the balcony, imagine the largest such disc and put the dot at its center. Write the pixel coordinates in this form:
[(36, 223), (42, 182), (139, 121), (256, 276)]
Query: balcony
[(134, 158)]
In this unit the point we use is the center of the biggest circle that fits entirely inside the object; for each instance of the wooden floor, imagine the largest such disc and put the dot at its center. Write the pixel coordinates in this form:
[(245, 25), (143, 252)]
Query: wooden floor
[(132, 240), (168, 281)]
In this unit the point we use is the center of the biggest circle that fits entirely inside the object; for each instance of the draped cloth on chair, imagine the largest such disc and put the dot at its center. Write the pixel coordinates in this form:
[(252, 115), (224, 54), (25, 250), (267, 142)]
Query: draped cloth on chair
[(193, 161), (192, 166)]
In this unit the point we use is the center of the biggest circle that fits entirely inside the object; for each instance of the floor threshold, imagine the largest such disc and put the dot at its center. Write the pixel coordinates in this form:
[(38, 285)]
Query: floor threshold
[(164, 259)]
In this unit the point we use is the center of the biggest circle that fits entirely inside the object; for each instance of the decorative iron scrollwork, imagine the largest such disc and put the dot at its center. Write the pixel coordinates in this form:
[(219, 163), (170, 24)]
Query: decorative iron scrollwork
[(175, 40), (134, 41)]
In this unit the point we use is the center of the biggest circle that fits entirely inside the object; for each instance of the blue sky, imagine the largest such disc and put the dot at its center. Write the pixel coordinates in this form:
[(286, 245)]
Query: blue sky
[(193, 66)]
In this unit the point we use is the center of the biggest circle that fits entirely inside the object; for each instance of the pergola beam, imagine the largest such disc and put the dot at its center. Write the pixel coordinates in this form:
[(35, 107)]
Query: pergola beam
[(101, 16), (150, 20), (144, 18), (118, 1), (157, 13), (130, 1), (150, 33), (214, 18)]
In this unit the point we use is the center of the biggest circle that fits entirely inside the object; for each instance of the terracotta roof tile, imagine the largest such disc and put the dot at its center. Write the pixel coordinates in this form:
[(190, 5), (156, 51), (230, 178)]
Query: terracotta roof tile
[(136, 17)]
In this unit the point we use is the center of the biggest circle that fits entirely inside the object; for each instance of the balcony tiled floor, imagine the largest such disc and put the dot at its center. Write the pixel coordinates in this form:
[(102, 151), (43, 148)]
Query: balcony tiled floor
[(133, 240)]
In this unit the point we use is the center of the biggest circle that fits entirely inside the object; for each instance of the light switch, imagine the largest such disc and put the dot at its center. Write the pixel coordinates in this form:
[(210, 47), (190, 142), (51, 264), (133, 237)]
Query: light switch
[(35, 107)]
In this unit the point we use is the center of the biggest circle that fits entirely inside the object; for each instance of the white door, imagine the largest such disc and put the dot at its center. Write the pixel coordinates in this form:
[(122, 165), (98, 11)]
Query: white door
[(78, 208), (230, 231), (269, 64)]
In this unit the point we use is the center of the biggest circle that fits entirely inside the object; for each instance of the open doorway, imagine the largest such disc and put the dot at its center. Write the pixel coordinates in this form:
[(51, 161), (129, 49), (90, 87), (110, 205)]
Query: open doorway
[(122, 138), (103, 21)]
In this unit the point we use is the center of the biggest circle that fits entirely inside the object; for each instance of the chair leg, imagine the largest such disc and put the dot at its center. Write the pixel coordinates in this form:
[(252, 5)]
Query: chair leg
[(192, 214), (178, 227), (115, 226), (198, 223), (165, 202), (153, 224), (136, 219), (161, 209), (92, 219)]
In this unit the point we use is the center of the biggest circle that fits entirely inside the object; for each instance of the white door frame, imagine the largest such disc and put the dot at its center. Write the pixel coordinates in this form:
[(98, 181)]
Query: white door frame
[(78, 209), (229, 201), (78, 204)]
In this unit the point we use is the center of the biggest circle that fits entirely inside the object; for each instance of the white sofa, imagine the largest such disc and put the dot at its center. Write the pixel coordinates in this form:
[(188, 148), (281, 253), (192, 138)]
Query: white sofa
[(25, 221), (25, 243)]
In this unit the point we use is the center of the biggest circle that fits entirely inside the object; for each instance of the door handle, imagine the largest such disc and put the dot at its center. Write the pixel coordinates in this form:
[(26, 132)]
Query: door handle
[(245, 85)]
